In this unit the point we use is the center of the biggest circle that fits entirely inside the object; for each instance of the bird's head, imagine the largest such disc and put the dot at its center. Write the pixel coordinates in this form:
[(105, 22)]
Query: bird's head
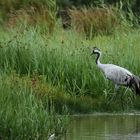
[(96, 51)]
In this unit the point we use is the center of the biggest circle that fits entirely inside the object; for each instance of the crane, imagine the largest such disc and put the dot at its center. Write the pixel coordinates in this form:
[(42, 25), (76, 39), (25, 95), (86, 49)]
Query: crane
[(118, 75)]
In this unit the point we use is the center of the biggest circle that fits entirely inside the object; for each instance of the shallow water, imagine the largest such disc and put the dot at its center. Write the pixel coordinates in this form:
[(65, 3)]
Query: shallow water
[(104, 127)]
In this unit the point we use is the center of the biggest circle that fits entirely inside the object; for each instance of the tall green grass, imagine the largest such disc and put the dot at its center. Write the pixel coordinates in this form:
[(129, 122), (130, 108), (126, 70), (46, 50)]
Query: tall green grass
[(64, 58), (55, 72), (23, 115)]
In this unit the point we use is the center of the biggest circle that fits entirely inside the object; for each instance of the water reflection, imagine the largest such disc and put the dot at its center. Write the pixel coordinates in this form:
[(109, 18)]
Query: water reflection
[(104, 127)]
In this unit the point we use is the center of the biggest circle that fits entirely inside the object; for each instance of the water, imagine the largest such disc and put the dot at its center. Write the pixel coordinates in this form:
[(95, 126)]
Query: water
[(104, 127)]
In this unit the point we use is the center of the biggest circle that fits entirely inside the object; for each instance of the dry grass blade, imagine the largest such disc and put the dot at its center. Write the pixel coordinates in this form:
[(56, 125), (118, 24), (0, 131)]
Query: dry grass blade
[(94, 20)]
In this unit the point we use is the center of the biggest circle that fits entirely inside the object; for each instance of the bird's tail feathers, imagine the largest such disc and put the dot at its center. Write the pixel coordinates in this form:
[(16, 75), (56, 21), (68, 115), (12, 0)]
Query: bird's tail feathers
[(135, 84)]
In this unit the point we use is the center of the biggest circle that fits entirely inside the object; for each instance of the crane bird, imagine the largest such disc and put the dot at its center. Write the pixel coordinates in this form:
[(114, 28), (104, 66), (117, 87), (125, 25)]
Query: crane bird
[(118, 75)]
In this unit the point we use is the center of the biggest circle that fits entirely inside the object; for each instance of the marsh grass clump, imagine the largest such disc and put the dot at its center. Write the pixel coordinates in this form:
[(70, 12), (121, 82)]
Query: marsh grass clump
[(31, 16), (47, 72), (31, 13), (65, 62), (22, 115), (95, 20)]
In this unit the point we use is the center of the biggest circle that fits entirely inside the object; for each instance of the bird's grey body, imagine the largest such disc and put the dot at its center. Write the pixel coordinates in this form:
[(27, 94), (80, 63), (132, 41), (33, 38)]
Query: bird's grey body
[(118, 75)]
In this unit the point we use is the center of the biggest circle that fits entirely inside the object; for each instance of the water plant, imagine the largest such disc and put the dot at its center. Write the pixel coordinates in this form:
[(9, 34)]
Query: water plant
[(64, 58), (23, 115)]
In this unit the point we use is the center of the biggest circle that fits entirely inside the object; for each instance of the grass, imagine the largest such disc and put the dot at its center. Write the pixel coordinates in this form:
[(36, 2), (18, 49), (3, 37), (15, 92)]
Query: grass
[(64, 59), (23, 115), (95, 20), (43, 75)]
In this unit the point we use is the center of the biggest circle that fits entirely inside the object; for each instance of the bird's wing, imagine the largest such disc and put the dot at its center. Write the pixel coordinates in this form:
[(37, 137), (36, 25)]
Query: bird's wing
[(117, 75)]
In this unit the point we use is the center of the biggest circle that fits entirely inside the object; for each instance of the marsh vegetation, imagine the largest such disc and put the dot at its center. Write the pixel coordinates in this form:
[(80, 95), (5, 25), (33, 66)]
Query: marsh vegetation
[(46, 70)]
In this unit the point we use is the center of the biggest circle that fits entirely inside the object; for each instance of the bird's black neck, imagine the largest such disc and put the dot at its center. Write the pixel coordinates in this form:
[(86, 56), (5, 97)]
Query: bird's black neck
[(97, 58)]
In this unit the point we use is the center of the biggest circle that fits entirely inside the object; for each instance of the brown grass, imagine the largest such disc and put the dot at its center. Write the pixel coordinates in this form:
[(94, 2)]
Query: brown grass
[(94, 20), (31, 16)]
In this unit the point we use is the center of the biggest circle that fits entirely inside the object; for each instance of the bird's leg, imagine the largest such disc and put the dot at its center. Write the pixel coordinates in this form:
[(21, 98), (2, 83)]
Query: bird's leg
[(115, 91), (114, 94), (122, 98), (116, 88), (130, 97), (126, 90)]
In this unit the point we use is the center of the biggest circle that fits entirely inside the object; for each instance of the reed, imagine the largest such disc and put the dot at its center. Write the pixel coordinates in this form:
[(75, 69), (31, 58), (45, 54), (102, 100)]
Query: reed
[(23, 115), (64, 59), (95, 20), (44, 77), (15, 13)]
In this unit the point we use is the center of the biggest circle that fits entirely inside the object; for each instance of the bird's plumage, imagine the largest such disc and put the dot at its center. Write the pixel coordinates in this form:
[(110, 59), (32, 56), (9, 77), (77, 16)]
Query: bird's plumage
[(118, 75)]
